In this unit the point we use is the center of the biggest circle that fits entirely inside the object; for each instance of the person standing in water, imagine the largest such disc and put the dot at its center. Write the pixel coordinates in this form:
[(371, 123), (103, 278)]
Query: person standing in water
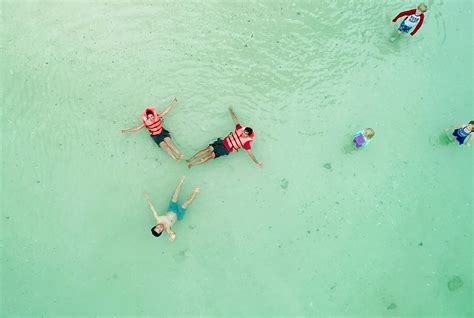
[(461, 133), (362, 138), (175, 212), (242, 137), (414, 18), (154, 123)]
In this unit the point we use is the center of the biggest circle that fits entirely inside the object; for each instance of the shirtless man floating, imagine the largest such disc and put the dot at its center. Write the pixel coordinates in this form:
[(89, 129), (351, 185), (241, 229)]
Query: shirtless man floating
[(175, 212)]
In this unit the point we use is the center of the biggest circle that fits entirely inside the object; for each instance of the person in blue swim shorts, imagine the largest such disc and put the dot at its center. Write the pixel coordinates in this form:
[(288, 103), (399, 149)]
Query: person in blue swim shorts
[(175, 212), (413, 19), (462, 133)]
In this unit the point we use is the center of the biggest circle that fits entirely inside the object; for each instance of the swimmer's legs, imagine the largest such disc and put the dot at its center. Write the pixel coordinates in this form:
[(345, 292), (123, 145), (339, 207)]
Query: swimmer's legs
[(166, 148), (210, 156), (191, 198), (451, 137), (395, 35), (449, 132), (170, 144), (177, 191), (204, 152)]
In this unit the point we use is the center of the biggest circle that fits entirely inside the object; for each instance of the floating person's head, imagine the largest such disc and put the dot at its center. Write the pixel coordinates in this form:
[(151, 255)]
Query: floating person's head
[(247, 131), (149, 115), (470, 125), (157, 230), (422, 8), (369, 133)]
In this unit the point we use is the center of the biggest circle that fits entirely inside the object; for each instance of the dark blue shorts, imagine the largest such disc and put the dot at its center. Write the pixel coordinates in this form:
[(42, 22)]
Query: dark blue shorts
[(404, 28), (219, 148), (161, 137), (178, 209)]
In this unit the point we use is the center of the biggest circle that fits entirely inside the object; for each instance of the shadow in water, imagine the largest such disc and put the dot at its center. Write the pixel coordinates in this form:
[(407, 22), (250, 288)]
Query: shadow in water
[(443, 139), (349, 148), (394, 37)]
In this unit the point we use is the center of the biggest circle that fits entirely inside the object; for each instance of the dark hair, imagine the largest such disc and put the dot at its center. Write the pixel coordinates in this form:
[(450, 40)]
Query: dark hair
[(472, 123), (248, 130), (149, 112), (154, 232)]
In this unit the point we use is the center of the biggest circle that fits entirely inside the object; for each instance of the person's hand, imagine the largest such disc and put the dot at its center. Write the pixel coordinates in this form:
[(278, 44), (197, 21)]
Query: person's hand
[(124, 131), (197, 190), (172, 237), (175, 100), (260, 164)]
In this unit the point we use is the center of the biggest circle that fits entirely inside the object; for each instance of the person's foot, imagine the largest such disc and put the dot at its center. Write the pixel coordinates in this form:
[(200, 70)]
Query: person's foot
[(197, 190), (182, 179), (190, 165)]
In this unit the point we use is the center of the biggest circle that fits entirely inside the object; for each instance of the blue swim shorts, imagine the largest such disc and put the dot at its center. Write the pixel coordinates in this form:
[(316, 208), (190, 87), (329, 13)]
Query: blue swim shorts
[(178, 209), (404, 28)]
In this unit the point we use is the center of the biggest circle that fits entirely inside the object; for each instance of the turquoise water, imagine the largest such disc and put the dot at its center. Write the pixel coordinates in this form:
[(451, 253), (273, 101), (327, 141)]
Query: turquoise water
[(319, 231)]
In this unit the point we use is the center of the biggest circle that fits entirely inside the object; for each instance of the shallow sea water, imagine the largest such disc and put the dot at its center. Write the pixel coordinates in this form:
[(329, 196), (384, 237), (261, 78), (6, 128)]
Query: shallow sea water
[(319, 231)]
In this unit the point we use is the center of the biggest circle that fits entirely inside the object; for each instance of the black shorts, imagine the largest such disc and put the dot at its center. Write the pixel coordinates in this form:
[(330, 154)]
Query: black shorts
[(159, 138), (219, 148)]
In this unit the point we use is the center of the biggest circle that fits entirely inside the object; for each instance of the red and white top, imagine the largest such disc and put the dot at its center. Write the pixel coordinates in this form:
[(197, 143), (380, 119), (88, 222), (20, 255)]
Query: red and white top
[(412, 19), (234, 141)]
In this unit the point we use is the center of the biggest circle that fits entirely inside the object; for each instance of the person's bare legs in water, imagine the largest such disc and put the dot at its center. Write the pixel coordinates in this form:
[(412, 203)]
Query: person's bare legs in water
[(201, 157)]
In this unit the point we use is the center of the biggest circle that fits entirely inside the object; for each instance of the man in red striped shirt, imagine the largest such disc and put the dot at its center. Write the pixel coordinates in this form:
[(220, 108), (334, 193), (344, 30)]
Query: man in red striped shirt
[(153, 122), (414, 18), (242, 137)]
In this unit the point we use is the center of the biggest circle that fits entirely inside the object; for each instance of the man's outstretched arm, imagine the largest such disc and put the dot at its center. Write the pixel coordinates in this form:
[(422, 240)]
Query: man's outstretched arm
[(232, 114), (468, 143), (168, 108), (133, 129), (151, 207), (404, 13), (171, 234), (258, 163)]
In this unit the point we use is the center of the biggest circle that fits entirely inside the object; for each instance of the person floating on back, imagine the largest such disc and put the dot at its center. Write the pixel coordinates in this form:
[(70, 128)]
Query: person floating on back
[(461, 133), (414, 18), (362, 138), (242, 137), (175, 212), (154, 123)]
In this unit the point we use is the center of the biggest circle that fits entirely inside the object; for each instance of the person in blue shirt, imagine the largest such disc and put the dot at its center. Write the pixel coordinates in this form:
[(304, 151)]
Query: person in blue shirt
[(462, 133)]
